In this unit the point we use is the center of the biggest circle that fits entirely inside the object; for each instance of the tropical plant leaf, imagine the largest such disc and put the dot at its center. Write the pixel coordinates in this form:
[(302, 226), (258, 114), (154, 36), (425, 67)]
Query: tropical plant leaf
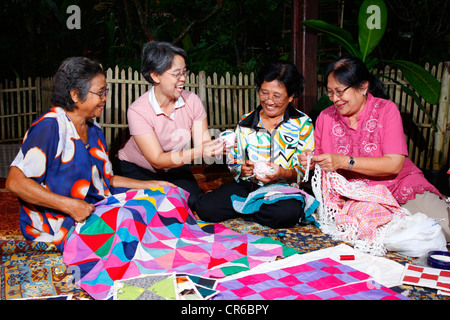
[(372, 62), (343, 36), (420, 79), (372, 21)]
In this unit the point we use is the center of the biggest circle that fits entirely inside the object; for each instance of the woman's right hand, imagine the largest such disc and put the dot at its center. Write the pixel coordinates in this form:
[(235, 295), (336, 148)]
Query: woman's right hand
[(303, 157), (331, 161), (247, 168), (78, 209), (32, 192)]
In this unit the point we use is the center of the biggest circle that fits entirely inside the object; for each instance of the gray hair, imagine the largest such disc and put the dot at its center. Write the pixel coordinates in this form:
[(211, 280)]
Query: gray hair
[(157, 56), (73, 73)]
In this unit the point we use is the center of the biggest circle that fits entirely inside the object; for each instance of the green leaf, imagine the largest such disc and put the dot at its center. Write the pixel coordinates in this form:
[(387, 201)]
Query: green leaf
[(372, 62), (427, 86), (372, 21), (343, 36)]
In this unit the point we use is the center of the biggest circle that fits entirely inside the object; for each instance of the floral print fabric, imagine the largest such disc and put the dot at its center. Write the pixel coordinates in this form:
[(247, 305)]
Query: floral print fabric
[(54, 156)]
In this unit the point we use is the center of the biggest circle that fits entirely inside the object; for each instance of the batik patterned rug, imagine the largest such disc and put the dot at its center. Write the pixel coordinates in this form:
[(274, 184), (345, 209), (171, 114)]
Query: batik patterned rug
[(34, 269)]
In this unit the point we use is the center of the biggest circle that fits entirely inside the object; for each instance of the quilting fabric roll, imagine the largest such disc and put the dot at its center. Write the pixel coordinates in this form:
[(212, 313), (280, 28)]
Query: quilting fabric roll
[(153, 231)]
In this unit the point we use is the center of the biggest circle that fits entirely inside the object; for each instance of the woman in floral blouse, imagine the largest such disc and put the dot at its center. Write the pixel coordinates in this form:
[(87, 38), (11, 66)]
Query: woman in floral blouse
[(362, 136)]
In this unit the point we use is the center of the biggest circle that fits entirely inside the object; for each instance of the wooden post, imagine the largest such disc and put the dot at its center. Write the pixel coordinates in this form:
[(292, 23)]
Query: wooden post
[(304, 51), (202, 87), (439, 157)]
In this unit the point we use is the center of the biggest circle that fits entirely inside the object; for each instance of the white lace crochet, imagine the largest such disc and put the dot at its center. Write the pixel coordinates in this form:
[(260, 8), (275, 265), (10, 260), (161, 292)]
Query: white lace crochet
[(308, 166), (326, 212)]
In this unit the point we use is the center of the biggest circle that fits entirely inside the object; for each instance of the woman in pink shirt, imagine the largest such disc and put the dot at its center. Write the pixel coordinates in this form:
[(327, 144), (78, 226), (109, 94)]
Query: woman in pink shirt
[(361, 136), (163, 121)]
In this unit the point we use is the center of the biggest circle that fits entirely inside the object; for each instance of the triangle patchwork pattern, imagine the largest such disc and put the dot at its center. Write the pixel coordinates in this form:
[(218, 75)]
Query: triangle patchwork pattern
[(153, 231)]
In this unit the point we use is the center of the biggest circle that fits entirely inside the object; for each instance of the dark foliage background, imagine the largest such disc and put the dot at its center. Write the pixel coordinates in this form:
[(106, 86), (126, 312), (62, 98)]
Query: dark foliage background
[(219, 35)]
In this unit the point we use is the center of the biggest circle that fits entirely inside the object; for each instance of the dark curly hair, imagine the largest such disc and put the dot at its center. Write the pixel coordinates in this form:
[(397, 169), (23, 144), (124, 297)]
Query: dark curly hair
[(73, 73)]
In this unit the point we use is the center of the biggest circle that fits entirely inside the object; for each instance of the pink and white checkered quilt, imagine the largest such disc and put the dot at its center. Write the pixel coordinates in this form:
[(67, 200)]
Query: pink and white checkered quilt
[(427, 277)]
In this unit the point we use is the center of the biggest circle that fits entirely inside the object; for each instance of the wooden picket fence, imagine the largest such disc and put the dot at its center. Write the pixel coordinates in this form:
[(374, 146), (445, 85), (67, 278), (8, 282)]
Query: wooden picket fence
[(225, 99)]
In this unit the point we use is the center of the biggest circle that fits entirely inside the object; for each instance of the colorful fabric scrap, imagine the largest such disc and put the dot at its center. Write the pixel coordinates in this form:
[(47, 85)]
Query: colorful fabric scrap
[(148, 287), (153, 231), (165, 286), (323, 279)]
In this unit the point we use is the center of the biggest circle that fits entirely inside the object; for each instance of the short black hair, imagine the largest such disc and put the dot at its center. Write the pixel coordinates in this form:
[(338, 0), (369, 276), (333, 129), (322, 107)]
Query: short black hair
[(284, 72), (73, 73), (157, 56), (351, 71)]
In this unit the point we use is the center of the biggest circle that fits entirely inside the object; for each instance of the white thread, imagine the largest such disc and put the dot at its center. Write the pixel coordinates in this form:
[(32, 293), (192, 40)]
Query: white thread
[(308, 164)]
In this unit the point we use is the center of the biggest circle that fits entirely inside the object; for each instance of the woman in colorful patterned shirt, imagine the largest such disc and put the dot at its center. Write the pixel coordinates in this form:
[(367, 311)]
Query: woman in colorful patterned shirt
[(63, 168), (362, 136), (274, 134)]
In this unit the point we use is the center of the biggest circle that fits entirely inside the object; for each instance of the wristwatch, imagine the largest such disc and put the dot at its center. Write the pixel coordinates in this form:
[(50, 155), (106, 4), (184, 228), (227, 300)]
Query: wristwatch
[(351, 163)]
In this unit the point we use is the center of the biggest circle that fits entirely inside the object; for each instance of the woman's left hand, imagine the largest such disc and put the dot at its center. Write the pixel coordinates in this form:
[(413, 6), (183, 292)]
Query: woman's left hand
[(277, 173), (213, 148), (124, 182), (159, 184), (331, 161)]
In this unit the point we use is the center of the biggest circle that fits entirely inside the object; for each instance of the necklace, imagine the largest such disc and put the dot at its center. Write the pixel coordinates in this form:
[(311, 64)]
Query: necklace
[(354, 124)]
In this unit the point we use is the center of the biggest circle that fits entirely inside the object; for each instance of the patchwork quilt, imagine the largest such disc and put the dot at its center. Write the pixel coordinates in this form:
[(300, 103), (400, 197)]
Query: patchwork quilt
[(153, 231), (323, 279)]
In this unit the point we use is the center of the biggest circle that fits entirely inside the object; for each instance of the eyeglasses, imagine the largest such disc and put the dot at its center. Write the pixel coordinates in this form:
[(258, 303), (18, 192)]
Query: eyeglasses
[(264, 96), (337, 93), (101, 94), (180, 74)]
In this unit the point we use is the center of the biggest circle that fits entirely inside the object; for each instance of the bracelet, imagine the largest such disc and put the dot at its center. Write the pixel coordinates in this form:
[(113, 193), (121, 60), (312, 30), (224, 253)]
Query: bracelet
[(351, 163)]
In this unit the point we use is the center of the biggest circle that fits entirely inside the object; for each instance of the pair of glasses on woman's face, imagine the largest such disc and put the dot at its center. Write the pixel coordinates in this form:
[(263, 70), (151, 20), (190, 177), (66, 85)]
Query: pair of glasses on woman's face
[(179, 74), (337, 93), (101, 94), (276, 98)]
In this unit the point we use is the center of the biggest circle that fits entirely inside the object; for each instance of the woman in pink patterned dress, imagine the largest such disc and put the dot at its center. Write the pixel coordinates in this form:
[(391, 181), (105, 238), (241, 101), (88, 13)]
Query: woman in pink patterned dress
[(361, 136)]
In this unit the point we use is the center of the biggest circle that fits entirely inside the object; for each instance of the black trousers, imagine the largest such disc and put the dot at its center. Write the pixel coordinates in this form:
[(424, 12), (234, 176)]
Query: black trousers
[(181, 177), (216, 206)]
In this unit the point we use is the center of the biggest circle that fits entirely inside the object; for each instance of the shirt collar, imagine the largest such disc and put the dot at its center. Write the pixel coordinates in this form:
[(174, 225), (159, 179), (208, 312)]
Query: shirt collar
[(155, 105), (252, 120)]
